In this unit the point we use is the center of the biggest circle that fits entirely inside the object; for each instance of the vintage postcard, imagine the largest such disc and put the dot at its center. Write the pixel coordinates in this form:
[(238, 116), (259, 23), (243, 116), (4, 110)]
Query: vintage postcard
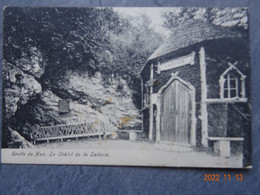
[(127, 86)]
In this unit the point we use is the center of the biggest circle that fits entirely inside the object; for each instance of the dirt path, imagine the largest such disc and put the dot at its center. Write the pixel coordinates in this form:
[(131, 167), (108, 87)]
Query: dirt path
[(146, 151)]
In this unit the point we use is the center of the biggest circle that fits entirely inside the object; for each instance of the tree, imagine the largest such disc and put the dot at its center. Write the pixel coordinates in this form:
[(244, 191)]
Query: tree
[(87, 40), (130, 49), (229, 17)]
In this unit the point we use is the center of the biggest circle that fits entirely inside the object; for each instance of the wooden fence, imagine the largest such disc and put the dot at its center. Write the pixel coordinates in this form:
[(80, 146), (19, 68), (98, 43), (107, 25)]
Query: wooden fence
[(60, 132)]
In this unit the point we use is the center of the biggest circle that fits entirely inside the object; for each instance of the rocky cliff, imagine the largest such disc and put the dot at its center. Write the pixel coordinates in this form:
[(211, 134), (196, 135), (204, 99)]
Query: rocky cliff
[(88, 57), (90, 100)]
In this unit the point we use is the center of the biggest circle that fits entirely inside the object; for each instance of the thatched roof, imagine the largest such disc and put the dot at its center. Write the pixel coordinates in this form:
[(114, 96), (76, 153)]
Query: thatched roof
[(190, 33)]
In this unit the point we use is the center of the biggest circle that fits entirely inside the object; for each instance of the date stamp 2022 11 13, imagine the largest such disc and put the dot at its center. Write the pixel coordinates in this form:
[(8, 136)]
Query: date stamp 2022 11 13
[(223, 177)]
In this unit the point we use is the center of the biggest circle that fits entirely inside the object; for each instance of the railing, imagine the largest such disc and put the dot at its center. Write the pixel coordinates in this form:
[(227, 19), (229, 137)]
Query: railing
[(68, 131)]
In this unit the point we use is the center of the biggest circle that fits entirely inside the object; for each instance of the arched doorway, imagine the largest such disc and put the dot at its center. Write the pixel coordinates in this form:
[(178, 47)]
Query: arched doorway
[(177, 112)]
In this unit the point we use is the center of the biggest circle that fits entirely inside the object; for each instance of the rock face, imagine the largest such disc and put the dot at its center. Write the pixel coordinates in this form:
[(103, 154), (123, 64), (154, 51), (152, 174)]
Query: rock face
[(18, 141), (55, 54), (91, 100), (20, 88), (20, 79)]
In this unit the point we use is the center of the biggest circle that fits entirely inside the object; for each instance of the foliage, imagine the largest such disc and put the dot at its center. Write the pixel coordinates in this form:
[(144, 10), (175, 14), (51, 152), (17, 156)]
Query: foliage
[(129, 50), (232, 17), (56, 40)]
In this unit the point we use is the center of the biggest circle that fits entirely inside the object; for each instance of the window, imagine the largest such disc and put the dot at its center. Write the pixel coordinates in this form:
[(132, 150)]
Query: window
[(231, 87), (232, 84)]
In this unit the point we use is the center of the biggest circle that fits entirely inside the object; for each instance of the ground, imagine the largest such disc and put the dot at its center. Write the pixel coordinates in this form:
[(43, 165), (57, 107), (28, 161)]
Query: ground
[(149, 153)]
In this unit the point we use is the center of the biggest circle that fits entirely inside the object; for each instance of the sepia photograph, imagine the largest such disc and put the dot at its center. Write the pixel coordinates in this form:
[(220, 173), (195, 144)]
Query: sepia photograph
[(127, 86)]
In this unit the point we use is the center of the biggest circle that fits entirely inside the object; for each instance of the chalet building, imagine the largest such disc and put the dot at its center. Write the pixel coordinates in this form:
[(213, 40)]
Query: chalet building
[(196, 89)]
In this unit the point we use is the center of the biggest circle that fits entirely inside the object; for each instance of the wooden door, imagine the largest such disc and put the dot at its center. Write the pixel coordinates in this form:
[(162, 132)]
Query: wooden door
[(176, 113)]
